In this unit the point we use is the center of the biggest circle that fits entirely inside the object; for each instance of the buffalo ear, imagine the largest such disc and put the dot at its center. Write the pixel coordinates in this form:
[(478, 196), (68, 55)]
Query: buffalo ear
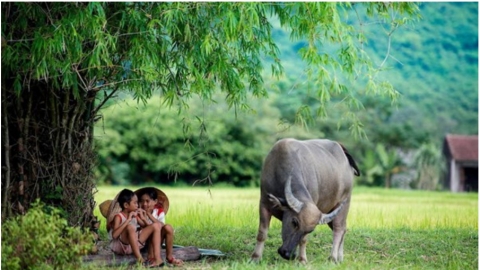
[(277, 202)]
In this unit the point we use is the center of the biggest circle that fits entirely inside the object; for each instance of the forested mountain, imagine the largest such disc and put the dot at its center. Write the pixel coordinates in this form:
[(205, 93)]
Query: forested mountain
[(437, 72), (432, 63)]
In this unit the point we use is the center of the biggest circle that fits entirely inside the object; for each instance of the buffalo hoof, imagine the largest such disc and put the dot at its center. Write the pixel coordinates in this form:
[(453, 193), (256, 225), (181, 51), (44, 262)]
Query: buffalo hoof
[(302, 261), (334, 260), (254, 259)]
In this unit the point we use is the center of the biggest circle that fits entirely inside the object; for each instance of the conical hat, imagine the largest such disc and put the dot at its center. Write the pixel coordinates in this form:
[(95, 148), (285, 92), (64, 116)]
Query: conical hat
[(104, 208), (113, 209), (161, 197)]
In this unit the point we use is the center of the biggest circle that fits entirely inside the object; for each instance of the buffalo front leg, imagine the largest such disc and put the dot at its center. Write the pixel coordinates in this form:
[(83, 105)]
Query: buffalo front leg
[(303, 250), (265, 217)]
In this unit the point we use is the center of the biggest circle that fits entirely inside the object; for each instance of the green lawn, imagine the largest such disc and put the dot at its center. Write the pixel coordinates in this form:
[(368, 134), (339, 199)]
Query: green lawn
[(387, 229)]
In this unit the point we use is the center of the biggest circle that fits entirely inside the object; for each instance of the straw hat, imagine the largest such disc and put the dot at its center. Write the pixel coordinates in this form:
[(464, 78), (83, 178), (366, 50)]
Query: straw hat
[(113, 209), (104, 207), (110, 208), (161, 197)]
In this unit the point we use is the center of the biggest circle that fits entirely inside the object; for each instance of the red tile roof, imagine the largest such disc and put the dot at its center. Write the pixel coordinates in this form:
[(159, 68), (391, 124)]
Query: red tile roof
[(463, 147)]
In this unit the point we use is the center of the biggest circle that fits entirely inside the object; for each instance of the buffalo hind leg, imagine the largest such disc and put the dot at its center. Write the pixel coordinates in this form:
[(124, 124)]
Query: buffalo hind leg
[(340, 248), (265, 217), (339, 228), (337, 248)]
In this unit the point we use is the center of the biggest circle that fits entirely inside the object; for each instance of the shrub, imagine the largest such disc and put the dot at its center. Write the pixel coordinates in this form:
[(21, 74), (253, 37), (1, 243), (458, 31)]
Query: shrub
[(41, 239)]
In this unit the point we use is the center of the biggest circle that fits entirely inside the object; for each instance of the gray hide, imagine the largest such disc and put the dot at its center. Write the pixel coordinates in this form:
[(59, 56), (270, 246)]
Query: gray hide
[(305, 183)]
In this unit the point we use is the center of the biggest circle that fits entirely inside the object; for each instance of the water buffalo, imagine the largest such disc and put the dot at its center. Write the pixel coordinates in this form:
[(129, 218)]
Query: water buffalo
[(305, 183)]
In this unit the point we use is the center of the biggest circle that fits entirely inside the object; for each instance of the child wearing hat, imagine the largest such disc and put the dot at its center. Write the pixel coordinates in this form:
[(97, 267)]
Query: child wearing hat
[(122, 229), (155, 214)]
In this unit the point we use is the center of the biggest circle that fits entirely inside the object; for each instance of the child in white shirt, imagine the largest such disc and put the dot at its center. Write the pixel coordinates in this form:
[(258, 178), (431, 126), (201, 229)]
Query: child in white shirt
[(156, 214)]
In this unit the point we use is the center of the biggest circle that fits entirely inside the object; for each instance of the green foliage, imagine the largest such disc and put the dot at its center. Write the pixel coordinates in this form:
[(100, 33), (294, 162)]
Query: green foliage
[(339, 70), (432, 66), (372, 172), (154, 143), (428, 163), (188, 49), (390, 162), (437, 69), (379, 165), (41, 239)]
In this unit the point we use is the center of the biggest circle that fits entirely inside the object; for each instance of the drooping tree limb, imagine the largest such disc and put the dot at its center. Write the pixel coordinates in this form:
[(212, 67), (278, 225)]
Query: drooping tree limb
[(63, 132), (53, 111), (6, 170), (71, 125)]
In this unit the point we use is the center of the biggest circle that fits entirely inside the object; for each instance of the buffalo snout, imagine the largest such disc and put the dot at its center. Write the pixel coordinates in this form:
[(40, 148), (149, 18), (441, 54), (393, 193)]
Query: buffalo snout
[(287, 254)]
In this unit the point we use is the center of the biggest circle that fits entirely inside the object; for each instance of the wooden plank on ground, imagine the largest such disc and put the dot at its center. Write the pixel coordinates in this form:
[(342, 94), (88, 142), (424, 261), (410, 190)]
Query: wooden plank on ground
[(108, 258)]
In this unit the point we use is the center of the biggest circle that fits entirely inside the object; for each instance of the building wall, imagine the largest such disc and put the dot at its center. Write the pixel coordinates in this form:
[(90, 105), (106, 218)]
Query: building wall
[(455, 177), (463, 176)]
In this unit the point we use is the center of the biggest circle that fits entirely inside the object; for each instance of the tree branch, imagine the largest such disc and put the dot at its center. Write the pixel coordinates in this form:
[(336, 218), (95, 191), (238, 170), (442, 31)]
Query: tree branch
[(105, 100), (114, 83)]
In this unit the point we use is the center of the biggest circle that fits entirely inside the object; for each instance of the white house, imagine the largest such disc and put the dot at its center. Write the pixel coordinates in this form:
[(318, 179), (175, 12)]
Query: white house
[(461, 153)]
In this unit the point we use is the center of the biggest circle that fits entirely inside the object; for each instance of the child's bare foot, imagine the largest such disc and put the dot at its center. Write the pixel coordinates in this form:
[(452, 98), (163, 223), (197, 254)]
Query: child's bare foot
[(175, 262), (154, 263)]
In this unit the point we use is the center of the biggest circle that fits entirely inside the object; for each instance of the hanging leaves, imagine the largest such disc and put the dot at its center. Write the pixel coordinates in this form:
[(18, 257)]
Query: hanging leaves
[(57, 56), (187, 48)]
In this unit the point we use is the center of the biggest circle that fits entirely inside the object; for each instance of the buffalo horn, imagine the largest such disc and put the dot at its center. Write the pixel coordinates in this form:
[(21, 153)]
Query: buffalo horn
[(326, 218), (293, 202)]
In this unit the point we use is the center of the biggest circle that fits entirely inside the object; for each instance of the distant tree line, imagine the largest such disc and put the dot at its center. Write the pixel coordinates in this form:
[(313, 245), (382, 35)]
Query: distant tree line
[(140, 144)]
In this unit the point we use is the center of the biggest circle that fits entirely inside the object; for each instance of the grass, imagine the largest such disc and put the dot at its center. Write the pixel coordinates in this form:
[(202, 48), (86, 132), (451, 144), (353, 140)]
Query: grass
[(387, 229)]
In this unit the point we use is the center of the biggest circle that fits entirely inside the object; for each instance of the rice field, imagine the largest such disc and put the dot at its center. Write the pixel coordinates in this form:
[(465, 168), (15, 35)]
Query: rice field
[(387, 229)]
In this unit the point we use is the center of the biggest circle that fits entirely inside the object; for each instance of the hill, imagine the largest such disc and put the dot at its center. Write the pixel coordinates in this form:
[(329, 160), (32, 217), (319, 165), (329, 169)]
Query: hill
[(433, 64)]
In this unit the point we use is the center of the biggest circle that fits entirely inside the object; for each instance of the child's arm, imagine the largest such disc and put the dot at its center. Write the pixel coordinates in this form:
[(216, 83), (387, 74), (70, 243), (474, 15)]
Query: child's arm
[(141, 218), (118, 228), (154, 219)]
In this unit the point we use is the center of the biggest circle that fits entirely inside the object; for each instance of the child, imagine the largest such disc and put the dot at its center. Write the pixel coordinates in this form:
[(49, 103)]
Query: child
[(125, 239), (155, 215)]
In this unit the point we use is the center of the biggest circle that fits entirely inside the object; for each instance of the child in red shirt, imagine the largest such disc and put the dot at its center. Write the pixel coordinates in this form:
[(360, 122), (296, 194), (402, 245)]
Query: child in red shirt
[(125, 238)]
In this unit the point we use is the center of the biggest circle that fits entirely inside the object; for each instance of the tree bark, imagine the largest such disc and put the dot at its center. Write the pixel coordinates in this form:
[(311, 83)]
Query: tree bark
[(55, 157)]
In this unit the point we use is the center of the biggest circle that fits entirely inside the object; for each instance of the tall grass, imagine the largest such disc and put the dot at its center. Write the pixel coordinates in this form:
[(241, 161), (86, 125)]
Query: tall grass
[(370, 208), (387, 228)]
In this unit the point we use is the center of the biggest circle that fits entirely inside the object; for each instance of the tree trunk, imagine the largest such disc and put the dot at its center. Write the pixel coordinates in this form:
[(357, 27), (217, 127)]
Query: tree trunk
[(53, 161), (388, 179)]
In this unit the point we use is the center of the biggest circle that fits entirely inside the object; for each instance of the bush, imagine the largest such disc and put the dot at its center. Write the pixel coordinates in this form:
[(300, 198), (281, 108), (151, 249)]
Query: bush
[(41, 239)]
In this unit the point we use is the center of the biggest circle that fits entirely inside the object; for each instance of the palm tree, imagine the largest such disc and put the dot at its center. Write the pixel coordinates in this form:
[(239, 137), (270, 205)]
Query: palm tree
[(428, 164), (390, 163), (380, 163)]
